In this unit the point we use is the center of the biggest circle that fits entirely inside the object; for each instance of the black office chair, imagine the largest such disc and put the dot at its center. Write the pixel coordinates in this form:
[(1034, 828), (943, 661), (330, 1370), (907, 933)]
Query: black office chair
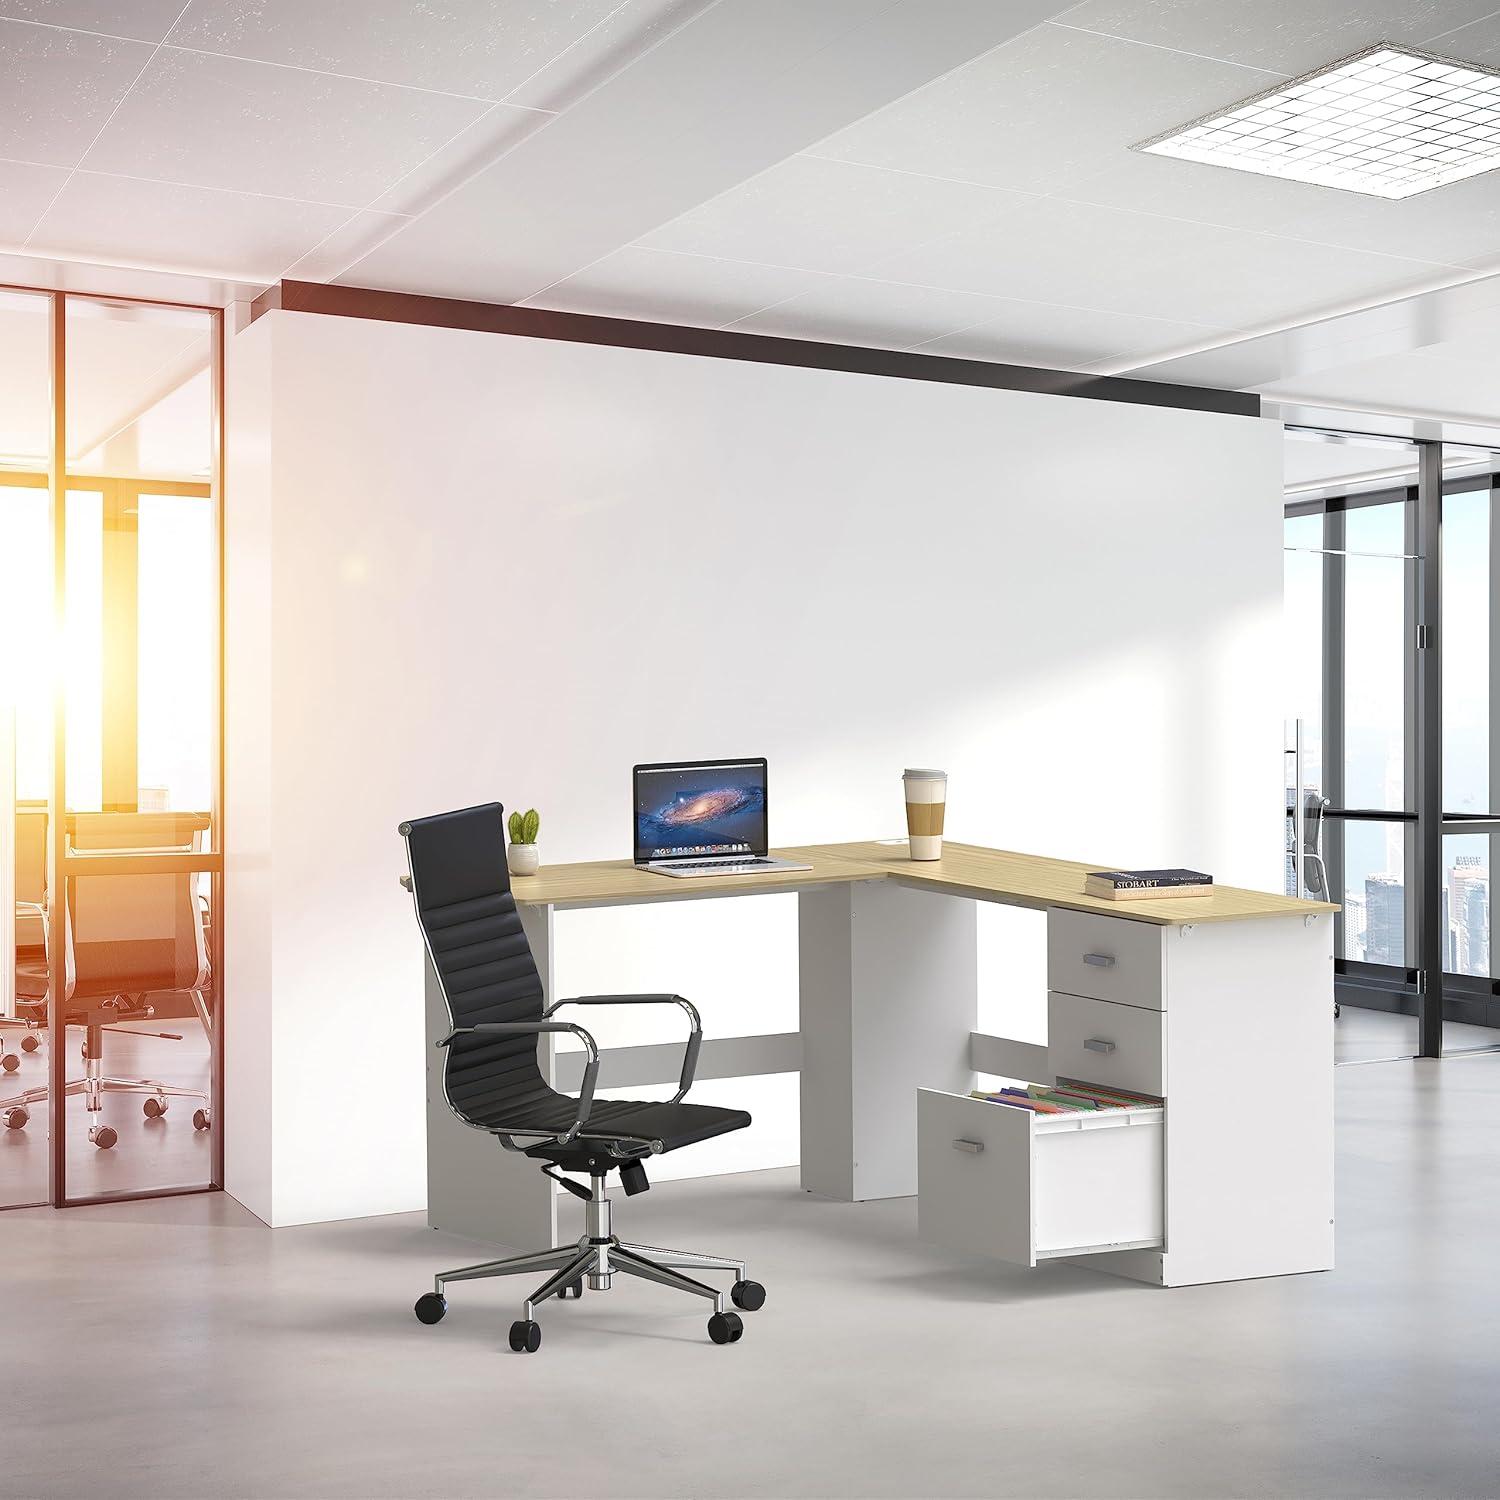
[(493, 1081)]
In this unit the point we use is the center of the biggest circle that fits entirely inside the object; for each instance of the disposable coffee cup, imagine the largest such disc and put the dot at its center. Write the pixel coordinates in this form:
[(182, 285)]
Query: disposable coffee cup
[(926, 799)]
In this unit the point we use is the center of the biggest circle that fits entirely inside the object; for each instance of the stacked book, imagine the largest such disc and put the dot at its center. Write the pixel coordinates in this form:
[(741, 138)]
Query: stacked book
[(1147, 885), (1064, 1097)]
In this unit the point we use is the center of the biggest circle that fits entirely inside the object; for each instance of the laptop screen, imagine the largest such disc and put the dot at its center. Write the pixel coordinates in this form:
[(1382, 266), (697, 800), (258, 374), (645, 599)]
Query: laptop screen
[(700, 809)]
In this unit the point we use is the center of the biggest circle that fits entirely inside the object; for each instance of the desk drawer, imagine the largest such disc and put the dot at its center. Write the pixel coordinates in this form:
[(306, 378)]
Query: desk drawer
[(1109, 958), (1025, 1187), (1098, 1041)]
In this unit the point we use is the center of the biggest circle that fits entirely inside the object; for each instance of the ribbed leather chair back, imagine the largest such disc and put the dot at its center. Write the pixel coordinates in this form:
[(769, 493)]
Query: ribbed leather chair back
[(483, 960)]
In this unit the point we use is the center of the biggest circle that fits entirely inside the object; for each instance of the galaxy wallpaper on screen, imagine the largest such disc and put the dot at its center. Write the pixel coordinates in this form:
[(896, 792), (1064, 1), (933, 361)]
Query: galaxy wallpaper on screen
[(700, 810)]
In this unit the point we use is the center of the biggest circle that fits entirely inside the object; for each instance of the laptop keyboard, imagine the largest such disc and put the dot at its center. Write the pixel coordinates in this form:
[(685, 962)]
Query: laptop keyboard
[(721, 864)]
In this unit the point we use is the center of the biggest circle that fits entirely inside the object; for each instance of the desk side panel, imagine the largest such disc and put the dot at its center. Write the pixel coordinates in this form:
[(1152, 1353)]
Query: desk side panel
[(916, 1003), (825, 977), (1249, 1122)]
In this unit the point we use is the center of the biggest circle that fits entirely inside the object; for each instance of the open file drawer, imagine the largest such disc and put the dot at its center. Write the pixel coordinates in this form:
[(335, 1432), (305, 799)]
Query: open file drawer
[(1024, 1187)]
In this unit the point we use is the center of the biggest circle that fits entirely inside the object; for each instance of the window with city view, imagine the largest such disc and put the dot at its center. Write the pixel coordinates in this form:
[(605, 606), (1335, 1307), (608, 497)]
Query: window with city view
[(1349, 619)]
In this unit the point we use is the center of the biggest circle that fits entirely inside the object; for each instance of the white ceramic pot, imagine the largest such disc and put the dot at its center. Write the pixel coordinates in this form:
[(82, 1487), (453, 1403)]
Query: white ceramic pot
[(523, 859)]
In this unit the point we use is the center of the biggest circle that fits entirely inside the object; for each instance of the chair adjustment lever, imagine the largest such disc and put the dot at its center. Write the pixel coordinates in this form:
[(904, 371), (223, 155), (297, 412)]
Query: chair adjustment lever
[(576, 1188)]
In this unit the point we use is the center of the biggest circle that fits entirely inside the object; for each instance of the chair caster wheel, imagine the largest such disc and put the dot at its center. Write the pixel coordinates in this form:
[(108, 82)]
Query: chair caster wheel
[(10, 1062), (16, 1117), (430, 1307), (525, 1336), (30, 1043), (726, 1328), (749, 1295), (574, 1289), (202, 1119), (155, 1107), (103, 1136)]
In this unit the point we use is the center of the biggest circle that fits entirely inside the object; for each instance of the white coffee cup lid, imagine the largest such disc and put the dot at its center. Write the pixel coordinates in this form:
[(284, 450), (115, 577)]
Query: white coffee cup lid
[(925, 775)]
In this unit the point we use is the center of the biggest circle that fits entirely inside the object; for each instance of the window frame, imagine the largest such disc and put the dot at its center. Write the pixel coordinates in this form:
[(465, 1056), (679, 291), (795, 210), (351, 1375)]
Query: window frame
[(1422, 986)]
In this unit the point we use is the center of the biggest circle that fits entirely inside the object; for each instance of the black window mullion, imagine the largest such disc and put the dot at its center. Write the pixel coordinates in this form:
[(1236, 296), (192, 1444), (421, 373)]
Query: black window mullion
[(1411, 756), (1493, 687), (1333, 709), (1427, 730)]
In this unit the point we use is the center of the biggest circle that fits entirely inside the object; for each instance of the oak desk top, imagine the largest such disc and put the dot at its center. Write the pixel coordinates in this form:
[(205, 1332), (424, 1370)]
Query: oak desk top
[(617, 882), (1010, 879)]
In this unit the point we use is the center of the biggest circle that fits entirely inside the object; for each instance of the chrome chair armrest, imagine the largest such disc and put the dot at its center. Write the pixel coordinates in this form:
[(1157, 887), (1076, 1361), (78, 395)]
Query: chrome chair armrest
[(695, 1023)]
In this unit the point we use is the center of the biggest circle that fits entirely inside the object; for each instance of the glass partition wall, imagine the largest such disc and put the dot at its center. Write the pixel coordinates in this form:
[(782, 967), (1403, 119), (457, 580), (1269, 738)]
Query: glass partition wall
[(1390, 566), (110, 583)]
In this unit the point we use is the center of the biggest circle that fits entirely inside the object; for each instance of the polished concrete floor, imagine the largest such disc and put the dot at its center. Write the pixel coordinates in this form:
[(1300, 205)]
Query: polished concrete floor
[(1378, 1035), (176, 1348)]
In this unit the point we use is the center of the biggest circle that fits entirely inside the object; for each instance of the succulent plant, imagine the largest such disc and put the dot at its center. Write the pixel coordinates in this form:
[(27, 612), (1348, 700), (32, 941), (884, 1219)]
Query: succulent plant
[(525, 826)]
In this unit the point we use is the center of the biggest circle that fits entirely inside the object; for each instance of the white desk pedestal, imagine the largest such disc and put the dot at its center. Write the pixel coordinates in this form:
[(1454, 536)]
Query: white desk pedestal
[(1248, 1064), (890, 995)]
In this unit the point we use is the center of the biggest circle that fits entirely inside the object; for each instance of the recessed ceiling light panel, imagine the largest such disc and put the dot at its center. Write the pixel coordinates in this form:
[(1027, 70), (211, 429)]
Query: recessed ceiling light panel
[(1388, 121)]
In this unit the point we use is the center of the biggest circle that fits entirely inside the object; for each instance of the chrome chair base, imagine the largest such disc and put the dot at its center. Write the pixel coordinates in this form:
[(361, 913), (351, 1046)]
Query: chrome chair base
[(598, 1255), (599, 1262)]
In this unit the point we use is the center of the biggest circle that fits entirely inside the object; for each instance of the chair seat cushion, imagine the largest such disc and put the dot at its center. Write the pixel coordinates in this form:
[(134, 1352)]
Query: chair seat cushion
[(673, 1125)]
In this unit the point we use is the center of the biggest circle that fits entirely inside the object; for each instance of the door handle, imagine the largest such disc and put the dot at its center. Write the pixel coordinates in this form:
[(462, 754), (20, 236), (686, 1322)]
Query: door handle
[(1098, 1044), (972, 1147), (1100, 960)]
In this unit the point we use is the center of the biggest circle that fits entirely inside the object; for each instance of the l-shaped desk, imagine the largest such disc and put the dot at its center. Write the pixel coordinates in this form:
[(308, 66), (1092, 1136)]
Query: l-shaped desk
[(1220, 1005)]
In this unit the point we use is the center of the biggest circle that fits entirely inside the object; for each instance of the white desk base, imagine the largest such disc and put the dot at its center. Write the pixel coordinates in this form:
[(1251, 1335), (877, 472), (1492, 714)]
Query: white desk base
[(889, 987)]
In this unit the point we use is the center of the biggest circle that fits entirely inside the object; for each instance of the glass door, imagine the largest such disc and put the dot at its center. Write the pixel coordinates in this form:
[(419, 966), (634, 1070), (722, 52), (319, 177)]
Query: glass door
[(1350, 613), (1471, 758), (116, 569), (1391, 566), (139, 841), (26, 615)]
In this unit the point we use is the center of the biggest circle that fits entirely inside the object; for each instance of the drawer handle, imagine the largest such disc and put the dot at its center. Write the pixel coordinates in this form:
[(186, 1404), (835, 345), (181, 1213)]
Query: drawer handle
[(1098, 1044), (1100, 960), (972, 1147)]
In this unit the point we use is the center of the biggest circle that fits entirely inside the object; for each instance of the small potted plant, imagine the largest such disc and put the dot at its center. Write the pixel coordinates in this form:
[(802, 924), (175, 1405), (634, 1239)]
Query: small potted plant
[(522, 856)]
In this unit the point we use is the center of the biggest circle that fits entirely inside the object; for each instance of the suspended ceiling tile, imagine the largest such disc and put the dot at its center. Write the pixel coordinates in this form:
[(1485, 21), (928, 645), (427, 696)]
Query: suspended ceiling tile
[(1285, 36), (356, 236), (59, 88), (248, 126), (666, 288), (453, 46), (740, 88), (171, 227), (142, 20), (1149, 266), (857, 310), (1068, 337), (626, 34), (830, 216), (1041, 111), (25, 192)]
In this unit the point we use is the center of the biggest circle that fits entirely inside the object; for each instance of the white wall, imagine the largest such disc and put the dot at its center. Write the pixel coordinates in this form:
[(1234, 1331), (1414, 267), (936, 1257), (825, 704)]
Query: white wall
[(494, 569), (249, 739)]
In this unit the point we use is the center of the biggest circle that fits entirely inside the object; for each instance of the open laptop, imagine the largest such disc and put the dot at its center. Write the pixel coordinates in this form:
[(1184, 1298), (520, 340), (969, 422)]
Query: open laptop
[(704, 817)]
